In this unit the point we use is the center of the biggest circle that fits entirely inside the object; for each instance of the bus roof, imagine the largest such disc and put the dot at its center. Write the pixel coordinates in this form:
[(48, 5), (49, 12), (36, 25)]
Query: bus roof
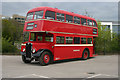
[(60, 11)]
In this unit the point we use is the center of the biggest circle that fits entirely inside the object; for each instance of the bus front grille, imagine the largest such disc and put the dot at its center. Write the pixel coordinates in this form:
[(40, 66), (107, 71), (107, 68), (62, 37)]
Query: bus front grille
[(28, 50)]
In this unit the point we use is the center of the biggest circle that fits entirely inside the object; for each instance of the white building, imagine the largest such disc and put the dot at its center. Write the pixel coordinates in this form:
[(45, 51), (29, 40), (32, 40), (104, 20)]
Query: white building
[(114, 26)]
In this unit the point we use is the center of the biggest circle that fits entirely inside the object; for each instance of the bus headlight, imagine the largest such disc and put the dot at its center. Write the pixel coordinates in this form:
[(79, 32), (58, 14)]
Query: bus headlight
[(24, 50), (33, 50)]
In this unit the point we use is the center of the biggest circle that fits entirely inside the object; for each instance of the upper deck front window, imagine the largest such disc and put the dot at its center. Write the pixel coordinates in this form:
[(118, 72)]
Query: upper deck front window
[(50, 15), (29, 16), (94, 24), (38, 15)]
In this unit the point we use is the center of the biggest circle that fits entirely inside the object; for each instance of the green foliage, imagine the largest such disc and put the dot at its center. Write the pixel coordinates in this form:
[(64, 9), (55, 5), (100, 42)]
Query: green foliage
[(11, 33), (7, 46), (0, 46), (106, 41), (11, 29)]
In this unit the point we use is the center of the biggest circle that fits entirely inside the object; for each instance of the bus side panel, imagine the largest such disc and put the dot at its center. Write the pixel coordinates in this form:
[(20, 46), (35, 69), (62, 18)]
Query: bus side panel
[(69, 52), (91, 51), (67, 27)]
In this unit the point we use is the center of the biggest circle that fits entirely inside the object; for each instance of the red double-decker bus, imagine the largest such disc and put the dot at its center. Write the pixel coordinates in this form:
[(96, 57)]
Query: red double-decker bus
[(51, 34)]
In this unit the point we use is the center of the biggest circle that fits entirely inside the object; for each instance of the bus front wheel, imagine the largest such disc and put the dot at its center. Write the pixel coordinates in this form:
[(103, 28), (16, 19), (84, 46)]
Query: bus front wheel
[(85, 54), (45, 58)]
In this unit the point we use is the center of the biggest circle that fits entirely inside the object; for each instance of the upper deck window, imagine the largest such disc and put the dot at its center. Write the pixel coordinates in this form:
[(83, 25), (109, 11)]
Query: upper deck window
[(69, 18), (50, 15), (94, 24), (77, 20), (30, 16), (38, 15), (89, 22), (83, 21), (60, 17)]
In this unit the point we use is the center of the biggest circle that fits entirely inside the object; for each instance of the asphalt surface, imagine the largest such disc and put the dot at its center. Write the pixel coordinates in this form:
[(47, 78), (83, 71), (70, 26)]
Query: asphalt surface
[(98, 67)]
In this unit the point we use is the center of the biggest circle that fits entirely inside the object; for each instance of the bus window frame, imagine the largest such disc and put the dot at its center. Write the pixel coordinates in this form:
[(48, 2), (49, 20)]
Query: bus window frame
[(85, 21), (85, 38), (38, 36), (95, 23), (38, 18), (79, 20), (48, 35), (59, 36), (69, 15), (56, 16), (89, 38), (50, 11), (72, 40), (27, 15), (89, 20), (76, 37)]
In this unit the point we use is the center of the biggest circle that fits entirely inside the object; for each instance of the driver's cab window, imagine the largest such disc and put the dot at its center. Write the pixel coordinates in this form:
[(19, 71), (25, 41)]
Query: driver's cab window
[(33, 37), (49, 38)]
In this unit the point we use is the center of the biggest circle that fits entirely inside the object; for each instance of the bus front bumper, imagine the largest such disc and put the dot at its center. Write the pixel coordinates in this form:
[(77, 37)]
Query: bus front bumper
[(37, 54)]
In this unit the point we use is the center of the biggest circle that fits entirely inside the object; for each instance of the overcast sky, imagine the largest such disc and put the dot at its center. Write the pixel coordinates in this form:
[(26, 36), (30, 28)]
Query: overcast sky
[(105, 11)]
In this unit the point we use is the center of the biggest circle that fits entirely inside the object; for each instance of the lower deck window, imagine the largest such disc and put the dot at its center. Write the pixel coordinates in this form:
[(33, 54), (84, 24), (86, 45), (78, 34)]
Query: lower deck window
[(89, 40), (83, 40), (33, 37), (69, 40), (39, 38), (49, 38), (60, 40), (76, 40)]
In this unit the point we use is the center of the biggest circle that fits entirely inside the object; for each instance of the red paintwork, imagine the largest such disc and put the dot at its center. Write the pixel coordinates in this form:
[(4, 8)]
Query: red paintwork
[(61, 52), (46, 58), (66, 52), (47, 25)]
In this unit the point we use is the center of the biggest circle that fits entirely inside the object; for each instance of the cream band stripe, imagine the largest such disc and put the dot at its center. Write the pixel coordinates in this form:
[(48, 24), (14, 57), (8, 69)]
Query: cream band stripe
[(73, 45), (65, 33)]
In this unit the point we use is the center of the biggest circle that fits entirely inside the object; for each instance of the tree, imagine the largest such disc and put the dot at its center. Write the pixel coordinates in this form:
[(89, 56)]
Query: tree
[(11, 33), (106, 41), (11, 29), (7, 46)]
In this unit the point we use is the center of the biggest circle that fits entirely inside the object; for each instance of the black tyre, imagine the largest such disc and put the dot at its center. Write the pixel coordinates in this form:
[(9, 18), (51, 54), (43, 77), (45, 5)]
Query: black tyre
[(85, 54), (24, 59), (45, 58)]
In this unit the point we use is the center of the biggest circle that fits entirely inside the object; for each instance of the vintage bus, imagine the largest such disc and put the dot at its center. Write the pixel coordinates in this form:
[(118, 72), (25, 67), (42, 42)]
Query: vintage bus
[(51, 34)]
